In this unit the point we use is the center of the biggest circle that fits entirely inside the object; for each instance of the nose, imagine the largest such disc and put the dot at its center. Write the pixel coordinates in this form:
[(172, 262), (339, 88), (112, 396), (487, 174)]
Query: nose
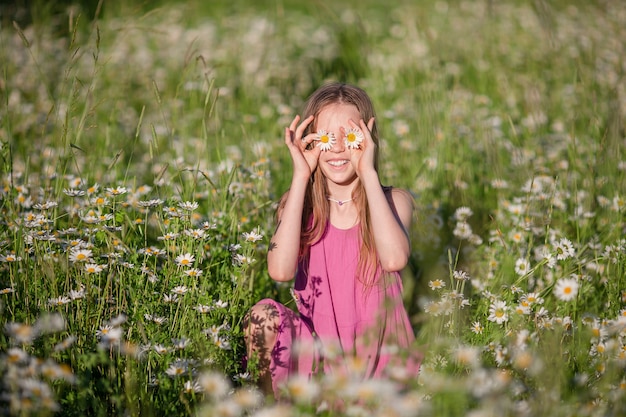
[(339, 145)]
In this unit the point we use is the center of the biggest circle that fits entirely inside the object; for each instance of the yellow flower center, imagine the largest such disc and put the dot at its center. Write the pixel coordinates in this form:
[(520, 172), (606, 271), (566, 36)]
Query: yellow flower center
[(324, 139), (351, 137)]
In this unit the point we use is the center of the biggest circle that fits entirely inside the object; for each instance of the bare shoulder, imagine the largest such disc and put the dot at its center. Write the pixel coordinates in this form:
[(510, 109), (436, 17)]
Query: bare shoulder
[(402, 203)]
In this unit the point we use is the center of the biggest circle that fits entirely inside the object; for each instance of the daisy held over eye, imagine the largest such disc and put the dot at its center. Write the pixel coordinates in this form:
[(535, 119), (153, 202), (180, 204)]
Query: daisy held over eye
[(343, 237)]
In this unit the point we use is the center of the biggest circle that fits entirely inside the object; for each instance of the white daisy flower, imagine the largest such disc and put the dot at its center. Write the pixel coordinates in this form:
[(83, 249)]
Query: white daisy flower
[(185, 260), (566, 289), (498, 312), (436, 284), (353, 138), (80, 255), (522, 266), (326, 140), (188, 205)]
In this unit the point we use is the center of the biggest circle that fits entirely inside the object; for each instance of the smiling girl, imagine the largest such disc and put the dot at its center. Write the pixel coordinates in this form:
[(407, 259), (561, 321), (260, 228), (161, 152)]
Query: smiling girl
[(344, 238)]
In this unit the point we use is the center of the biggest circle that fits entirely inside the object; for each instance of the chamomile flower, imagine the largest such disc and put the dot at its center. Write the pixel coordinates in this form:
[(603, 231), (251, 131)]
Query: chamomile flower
[(91, 268), (498, 312), (564, 249), (325, 140), (188, 205), (353, 138), (214, 384), (477, 327), (252, 236), (180, 290), (186, 259), (436, 284), (80, 255), (193, 272), (566, 289), (522, 266)]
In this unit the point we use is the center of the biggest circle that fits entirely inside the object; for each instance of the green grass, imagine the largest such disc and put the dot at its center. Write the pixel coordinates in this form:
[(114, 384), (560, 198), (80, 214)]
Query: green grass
[(513, 110)]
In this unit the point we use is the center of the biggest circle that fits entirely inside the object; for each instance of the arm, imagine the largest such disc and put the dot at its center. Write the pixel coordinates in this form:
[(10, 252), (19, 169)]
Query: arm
[(282, 258), (390, 215), (391, 219)]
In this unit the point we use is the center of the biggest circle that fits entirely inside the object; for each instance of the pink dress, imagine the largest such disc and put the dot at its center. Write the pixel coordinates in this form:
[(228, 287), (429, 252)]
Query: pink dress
[(339, 320)]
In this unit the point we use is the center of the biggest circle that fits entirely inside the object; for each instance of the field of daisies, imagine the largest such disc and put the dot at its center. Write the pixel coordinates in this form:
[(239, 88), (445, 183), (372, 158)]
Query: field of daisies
[(142, 160)]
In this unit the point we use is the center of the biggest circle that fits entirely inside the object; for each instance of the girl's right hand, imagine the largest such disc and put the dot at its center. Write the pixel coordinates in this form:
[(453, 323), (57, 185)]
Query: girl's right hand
[(303, 155)]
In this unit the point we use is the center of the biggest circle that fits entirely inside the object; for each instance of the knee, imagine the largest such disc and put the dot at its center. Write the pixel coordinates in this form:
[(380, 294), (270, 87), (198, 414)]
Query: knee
[(261, 322)]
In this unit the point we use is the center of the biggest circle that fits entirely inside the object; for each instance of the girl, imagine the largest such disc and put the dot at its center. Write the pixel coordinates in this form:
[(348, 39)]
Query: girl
[(344, 238)]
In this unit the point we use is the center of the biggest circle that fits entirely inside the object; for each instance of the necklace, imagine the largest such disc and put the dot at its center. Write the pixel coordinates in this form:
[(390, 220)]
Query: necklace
[(340, 202)]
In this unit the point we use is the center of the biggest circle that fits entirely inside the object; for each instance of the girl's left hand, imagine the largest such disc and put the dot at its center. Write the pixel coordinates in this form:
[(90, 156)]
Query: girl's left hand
[(363, 157)]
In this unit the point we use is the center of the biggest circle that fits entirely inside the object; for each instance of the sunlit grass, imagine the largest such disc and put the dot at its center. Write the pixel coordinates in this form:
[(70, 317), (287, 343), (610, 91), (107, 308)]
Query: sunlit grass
[(142, 161)]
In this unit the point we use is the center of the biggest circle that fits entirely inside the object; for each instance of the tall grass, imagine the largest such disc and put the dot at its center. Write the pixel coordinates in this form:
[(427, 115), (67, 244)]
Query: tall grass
[(142, 161)]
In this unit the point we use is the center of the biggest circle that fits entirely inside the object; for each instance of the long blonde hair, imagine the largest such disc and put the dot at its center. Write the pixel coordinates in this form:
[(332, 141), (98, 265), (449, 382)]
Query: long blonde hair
[(316, 210)]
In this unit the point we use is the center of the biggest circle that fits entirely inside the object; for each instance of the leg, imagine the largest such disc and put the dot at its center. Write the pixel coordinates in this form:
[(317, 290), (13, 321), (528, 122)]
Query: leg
[(260, 333)]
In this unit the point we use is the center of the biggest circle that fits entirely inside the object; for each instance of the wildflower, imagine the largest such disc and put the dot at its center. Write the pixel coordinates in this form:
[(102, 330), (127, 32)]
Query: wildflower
[(80, 255), (185, 260), (498, 312), (115, 191), (533, 298), (72, 192), (22, 333), (566, 289), (180, 344), (177, 368), (10, 257), (160, 349), (461, 275), (193, 272), (168, 236), (463, 213), (247, 397), (46, 205), (191, 387), (302, 389), (467, 356), (242, 260), (188, 205), (221, 304), (93, 268), (252, 236), (59, 301), (326, 140), (170, 298), (7, 290), (436, 284), (93, 189), (214, 384), (150, 203), (223, 343), (203, 309), (522, 266), (353, 138), (564, 249), (65, 344), (195, 233), (462, 230), (180, 290)]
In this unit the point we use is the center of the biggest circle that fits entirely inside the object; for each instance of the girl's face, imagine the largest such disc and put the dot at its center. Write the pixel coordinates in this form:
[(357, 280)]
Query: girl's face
[(335, 163)]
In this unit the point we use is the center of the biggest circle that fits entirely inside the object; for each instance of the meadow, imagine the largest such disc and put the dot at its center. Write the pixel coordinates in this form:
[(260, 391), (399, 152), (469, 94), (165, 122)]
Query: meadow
[(142, 159)]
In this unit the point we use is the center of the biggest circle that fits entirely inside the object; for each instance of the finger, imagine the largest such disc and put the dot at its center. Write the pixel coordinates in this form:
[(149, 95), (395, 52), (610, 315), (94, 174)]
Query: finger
[(294, 122), (302, 127), (306, 141), (370, 124), (288, 136)]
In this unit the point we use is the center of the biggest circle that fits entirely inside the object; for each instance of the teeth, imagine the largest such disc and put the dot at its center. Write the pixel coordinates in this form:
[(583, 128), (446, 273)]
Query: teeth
[(338, 163)]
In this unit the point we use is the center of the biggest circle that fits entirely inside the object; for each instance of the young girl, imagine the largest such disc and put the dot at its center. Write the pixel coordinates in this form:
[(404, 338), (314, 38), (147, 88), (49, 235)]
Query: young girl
[(343, 236)]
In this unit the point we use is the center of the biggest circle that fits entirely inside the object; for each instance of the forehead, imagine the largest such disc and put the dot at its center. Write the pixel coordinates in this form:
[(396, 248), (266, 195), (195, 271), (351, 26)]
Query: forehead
[(337, 115)]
